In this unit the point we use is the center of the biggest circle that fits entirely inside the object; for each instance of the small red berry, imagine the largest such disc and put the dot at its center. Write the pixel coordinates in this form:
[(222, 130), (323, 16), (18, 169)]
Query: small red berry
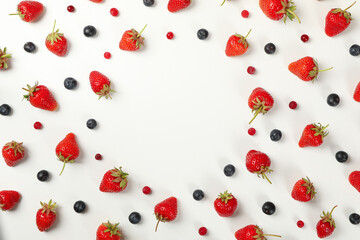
[(170, 35), (304, 38), (70, 8), (37, 125), (251, 70), (114, 12), (292, 105), (107, 55), (98, 156), (146, 190), (251, 131), (202, 231), (245, 14), (300, 224)]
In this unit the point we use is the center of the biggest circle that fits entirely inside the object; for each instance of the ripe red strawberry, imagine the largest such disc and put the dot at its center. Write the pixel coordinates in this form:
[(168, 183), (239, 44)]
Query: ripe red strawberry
[(97, 1), (166, 211), (252, 232), (357, 93), (326, 226), (303, 190), (225, 205), (354, 179), (177, 5), (108, 231), (313, 135), (260, 101), (56, 42), (29, 11), (13, 152), (67, 150), (259, 163), (114, 180), (337, 20), (40, 97), (8, 199), (236, 45), (132, 40), (4, 58), (277, 9), (306, 68), (100, 84), (46, 216)]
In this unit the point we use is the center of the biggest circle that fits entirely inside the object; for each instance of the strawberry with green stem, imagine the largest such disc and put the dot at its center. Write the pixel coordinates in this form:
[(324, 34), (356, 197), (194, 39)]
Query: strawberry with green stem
[(4, 58), (114, 180), (29, 11), (13, 152), (108, 231), (166, 211), (277, 9), (226, 204), (100, 84), (313, 135), (56, 42), (132, 40), (8, 199), (46, 216), (326, 226), (303, 190), (252, 232), (67, 150), (40, 97), (259, 163), (337, 21), (306, 69), (237, 45), (260, 101)]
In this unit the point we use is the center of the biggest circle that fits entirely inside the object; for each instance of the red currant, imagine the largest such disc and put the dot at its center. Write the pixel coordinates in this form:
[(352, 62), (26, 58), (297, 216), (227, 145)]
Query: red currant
[(170, 35), (292, 105), (304, 38), (114, 12), (107, 55), (70, 8), (300, 224), (98, 156), (245, 13), (37, 125), (202, 231), (146, 190), (251, 131), (251, 70)]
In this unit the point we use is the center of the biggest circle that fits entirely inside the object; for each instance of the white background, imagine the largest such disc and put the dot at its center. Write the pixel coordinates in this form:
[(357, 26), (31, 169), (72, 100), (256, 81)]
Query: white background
[(178, 117)]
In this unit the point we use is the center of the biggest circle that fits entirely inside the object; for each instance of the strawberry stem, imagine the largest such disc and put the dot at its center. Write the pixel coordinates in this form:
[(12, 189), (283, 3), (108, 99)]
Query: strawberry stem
[(62, 168), (141, 31), (271, 235), (336, 205), (264, 175), (247, 34), (294, 14), (350, 6), (157, 224), (223, 3), (325, 69), (257, 112), (54, 27)]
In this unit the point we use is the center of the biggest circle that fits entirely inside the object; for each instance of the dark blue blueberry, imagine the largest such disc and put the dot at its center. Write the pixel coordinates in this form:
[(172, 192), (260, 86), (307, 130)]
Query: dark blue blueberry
[(5, 110), (275, 135), (202, 34), (79, 206), (91, 123), (229, 170), (268, 208), (70, 83), (270, 48), (90, 31), (149, 3), (341, 156), (134, 217), (29, 47), (333, 100), (355, 50), (43, 175), (354, 218), (198, 195)]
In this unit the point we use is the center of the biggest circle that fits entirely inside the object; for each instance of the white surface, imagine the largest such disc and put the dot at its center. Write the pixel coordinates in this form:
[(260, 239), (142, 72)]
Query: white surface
[(178, 117)]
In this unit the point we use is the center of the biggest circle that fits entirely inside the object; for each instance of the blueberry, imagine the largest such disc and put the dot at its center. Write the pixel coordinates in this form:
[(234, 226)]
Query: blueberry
[(79, 206), (90, 31), (354, 218), (341, 156), (149, 3), (91, 123), (198, 195), (202, 34), (29, 47), (134, 217), (229, 170), (43, 175), (333, 100), (270, 48), (355, 50), (5, 110), (70, 83), (275, 135), (268, 208)]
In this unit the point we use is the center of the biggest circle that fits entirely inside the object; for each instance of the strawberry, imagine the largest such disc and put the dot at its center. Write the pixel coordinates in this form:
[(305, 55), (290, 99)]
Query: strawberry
[(313, 135), (29, 11), (8, 199), (303, 190), (108, 231), (100, 84), (46, 216), (114, 180), (97, 1), (337, 20), (177, 5), (67, 150), (40, 97), (132, 40), (259, 163), (236, 45), (354, 179), (13, 152), (166, 211), (356, 95), (260, 101), (56, 42), (326, 226), (252, 232), (225, 205), (277, 9), (306, 69), (4, 58)]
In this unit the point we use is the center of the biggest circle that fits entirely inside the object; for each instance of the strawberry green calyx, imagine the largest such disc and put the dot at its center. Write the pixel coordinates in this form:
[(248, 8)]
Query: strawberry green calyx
[(289, 11), (320, 130), (18, 147), (259, 107), (310, 189), (105, 92), (120, 177), (112, 229), (137, 37), (54, 36), (242, 39), (327, 217), (314, 73), (48, 207), (225, 197), (65, 160), (260, 234), (30, 90), (18, 13), (263, 171), (344, 12), (3, 58)]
